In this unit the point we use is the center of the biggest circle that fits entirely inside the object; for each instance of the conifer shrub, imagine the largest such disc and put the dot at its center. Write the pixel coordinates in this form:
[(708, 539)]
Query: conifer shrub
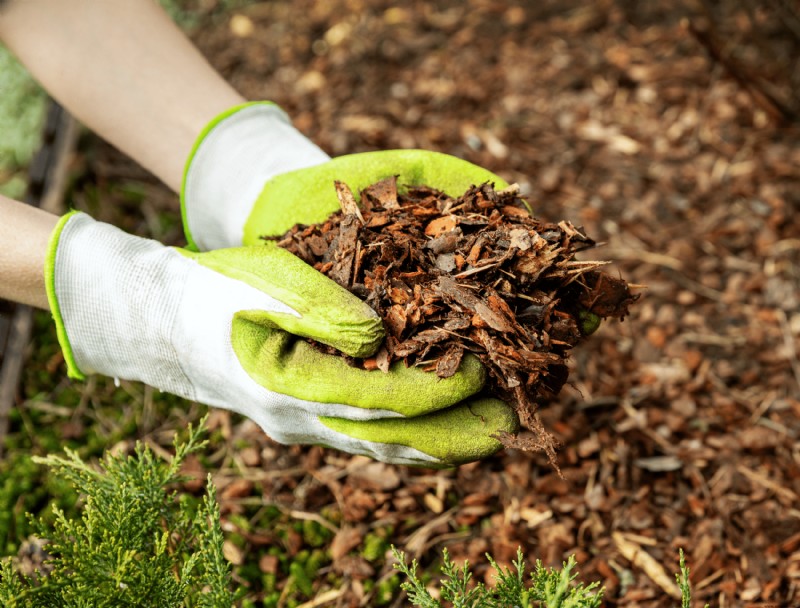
[(134, 545)]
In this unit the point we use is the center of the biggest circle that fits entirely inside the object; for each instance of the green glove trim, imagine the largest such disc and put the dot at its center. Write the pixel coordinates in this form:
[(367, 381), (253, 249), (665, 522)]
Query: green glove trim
[(307, 196), (455, 436), (284, 364), (50, 286), (191, 243), (328, 312)]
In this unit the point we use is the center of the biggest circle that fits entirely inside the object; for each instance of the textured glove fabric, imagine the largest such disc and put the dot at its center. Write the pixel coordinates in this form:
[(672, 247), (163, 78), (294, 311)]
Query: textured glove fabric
[(226, 171), (221, 328)]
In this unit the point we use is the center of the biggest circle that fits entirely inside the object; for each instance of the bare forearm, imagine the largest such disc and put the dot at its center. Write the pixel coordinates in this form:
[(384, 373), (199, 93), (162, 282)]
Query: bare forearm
[(123, 69), (24, 235)]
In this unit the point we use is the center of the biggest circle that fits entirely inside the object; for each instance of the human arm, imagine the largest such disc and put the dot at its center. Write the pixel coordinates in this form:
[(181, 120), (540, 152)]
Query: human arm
[(125, 70), (24, 234)]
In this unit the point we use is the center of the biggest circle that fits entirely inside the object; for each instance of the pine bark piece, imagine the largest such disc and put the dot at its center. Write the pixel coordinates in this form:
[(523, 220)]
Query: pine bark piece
[(345, 245), (473, 274)]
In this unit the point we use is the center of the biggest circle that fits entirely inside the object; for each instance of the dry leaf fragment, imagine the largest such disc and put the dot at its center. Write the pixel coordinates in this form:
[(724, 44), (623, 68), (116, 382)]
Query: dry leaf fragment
[(396, 320), (659, 464), (346, 538), (377, 220), (232, 553), (534, 517), (521, 239), (374, 476), (494, 320), (383, 359), (644, 561), (447, 365), (446, 262), (238, 488), (268, 564)]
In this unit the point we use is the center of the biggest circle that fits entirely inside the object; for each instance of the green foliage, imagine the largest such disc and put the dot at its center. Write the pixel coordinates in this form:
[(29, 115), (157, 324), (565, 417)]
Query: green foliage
[(22, 108), (22, 489), (549, 587), (134, 543), (683, 583)]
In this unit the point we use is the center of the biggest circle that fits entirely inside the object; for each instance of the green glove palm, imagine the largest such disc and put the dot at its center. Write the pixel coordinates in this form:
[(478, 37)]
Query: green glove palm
[(302, 395)]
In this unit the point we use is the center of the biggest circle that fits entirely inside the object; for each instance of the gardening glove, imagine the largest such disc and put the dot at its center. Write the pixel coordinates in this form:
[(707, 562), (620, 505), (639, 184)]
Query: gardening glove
[(252, 174), (222, 328)]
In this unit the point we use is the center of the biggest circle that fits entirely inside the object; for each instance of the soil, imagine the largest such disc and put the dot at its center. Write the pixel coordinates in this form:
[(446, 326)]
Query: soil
[(666, 130)]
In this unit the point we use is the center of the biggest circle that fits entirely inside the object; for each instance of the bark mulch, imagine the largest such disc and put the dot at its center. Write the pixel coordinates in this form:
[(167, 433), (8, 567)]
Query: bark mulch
[(473, 274)]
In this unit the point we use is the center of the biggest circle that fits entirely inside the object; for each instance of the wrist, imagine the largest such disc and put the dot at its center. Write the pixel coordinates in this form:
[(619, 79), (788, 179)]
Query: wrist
[(24, 234), (233, 158)]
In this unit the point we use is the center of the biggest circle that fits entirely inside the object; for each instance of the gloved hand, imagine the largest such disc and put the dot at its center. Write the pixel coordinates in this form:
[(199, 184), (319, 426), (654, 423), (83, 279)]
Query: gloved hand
[(252, 174), (221, 328)]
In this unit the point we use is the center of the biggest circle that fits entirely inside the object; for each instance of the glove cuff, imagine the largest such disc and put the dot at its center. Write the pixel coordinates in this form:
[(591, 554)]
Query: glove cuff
[(73, 371), (114, 298), (232, 159)]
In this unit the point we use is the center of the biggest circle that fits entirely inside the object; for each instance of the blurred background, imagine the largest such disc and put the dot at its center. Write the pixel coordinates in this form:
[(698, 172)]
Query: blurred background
[(668, 130)]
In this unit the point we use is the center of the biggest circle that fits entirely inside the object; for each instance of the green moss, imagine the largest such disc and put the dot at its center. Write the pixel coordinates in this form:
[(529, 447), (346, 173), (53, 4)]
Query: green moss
[(588, 322), (314, 534), (300, 579), (269, 582), (241, 522), (316, 560), (386, 591), (375, 547), (271, 599)]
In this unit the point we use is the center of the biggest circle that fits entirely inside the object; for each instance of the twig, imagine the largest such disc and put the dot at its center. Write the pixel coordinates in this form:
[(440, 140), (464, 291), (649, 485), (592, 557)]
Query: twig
[(767, 483), (417, 543), (644, 561), (788, 340)]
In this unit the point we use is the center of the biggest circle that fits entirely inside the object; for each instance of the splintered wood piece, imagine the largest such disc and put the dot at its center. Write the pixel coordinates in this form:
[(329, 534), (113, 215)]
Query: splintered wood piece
[(344, 254), (347, 201), (440, 225)]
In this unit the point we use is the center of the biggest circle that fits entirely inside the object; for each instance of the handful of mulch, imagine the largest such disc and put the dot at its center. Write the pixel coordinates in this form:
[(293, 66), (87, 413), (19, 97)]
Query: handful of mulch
[(478, 274)]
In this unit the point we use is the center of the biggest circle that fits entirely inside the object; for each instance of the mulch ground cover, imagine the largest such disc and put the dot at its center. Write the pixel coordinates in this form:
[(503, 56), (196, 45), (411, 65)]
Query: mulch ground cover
[(667, 132)]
